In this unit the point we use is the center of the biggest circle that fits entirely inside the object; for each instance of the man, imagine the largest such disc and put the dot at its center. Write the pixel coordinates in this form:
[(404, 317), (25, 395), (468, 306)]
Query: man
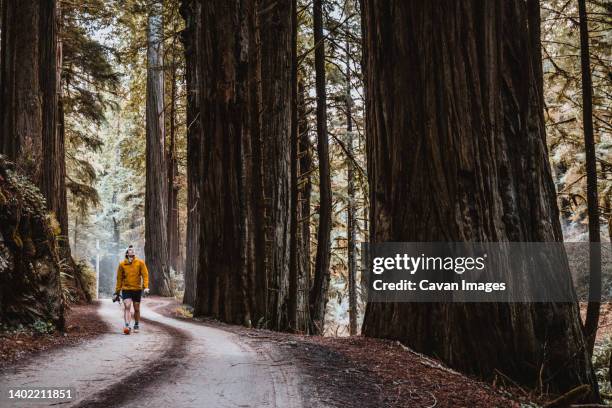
[(132, 277)]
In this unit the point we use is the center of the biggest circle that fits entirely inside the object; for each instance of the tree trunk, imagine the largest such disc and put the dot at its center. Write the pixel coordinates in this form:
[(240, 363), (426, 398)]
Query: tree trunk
[(351, 219), (592, 315), (293, 250), (455, 144), (28, 137), (22, 100), (190, 10), (305, 188), (173, 215), (224, 118), (245, 202), (156, 195), (54, 163), (275, 29), (318, 293)]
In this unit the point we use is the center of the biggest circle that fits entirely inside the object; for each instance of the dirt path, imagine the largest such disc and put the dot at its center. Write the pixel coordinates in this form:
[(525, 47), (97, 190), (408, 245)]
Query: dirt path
[(169, 363)]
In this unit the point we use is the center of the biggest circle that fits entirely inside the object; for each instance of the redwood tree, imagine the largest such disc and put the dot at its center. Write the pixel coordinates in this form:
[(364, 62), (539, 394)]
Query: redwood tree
[(28, 100), (31, 129), (156, 194), (190, 10), (318, 292), (305, 189), (244, 200), (592, 315), (456, 152), (275, 34), (351, 210), (29, 70)]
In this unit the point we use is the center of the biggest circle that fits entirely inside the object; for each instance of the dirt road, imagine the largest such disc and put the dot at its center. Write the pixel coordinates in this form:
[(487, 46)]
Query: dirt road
[(169, 363)]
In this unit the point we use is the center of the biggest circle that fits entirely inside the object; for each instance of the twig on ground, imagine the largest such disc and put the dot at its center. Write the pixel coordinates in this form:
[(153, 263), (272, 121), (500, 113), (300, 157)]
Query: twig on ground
[(571, 396)]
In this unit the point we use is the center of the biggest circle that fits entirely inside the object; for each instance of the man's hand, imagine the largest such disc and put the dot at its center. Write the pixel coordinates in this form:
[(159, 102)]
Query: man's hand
[(115, 297), (146, 292)]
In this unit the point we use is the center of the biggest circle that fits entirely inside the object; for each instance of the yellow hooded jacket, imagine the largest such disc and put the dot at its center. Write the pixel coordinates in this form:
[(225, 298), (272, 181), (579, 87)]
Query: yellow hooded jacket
[(132, 276)]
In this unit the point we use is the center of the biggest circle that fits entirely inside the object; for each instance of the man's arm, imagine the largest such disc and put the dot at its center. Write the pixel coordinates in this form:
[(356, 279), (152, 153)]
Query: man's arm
[(145, 275), (119, 278)]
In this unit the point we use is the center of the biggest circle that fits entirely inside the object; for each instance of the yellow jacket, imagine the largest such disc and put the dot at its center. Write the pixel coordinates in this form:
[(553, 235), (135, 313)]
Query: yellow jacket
[(132, 276)]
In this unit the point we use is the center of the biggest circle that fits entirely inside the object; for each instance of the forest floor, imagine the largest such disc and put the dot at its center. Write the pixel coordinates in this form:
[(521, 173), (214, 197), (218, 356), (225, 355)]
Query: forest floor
[(82, 323), (365, 372), (182, 362)]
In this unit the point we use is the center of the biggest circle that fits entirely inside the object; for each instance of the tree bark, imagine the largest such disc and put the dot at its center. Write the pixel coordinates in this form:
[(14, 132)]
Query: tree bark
[(224, 118), (156, 195), (351, 219), (592, 315), (190, 10), (305, 188), (28, 137), (293, 250), (455, 144), (172, 167), (52, 176), (350, 208), (318, 293), (275, 30), (22, 103), (245, 201)]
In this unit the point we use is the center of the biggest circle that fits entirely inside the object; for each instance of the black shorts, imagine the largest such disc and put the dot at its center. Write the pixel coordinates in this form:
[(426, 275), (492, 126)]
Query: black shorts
[(131, 294)]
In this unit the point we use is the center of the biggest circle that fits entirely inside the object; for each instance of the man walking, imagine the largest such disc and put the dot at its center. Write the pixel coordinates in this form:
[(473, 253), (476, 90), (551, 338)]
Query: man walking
[(132, 278)]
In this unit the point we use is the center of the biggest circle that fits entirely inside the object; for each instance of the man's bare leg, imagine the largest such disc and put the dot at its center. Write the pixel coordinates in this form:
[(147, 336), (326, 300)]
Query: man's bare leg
[(127, 311), (136, 315)]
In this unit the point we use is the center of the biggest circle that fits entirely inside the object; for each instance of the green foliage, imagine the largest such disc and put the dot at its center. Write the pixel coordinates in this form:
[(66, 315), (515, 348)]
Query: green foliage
[(87, 276), (563, 113), (42, 327), (89, 79), (38, 327), (601, 359)]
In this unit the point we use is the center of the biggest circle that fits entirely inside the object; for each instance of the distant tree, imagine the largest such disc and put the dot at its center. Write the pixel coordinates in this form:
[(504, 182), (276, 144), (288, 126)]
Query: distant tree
[(174, 67), (304, 201), (318, 293), (592, 315), (351, 210)]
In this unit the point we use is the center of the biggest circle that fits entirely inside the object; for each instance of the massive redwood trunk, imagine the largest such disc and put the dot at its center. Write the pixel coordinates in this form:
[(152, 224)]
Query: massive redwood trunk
[(190, 10), (25, 56), (29, 83), (275, 32), (456, 152), (244, 198), (223, 57), (156, 195)]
